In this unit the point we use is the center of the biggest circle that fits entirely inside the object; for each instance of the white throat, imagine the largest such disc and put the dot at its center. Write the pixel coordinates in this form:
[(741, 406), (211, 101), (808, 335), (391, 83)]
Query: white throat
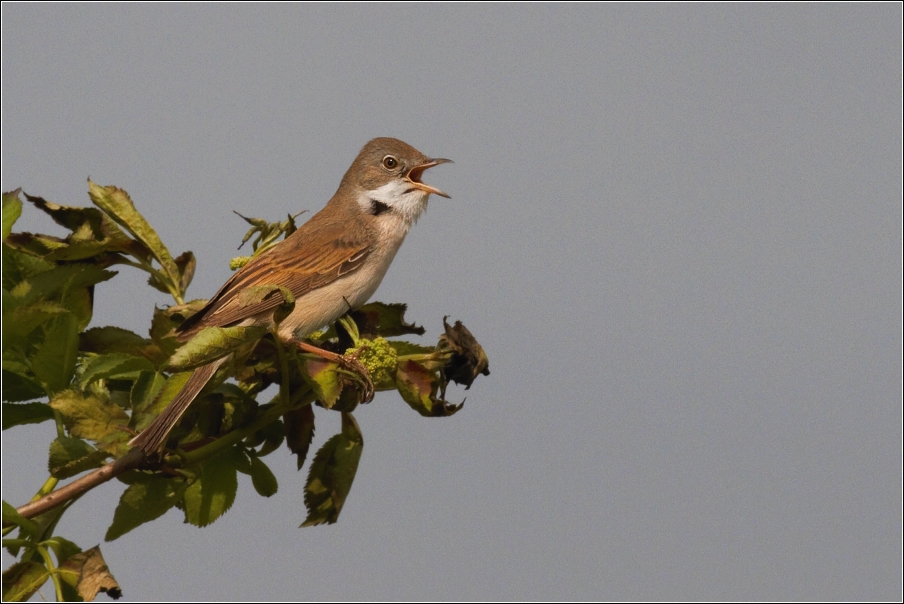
[(404, 200)]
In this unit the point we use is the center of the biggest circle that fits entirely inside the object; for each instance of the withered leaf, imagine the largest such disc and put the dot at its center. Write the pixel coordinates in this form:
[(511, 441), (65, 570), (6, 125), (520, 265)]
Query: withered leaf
[(468, 359), (89, 574), (386, 320)]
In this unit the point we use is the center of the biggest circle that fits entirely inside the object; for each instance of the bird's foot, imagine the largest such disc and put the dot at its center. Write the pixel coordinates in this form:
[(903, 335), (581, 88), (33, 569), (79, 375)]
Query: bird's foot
[(349, 362)]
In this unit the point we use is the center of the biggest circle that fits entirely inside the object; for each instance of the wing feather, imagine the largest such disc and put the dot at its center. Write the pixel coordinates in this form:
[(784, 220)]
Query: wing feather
[(292, 264)]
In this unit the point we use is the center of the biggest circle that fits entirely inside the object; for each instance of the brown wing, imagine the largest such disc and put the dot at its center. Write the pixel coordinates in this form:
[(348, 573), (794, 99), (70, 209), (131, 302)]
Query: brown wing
[(295, 264)]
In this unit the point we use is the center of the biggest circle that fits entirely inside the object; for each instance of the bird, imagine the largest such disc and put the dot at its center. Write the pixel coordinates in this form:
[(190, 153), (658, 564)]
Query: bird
[(333, 263)]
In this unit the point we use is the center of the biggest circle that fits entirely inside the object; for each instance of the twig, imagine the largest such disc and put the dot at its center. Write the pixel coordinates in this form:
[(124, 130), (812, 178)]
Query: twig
[(129, 461)]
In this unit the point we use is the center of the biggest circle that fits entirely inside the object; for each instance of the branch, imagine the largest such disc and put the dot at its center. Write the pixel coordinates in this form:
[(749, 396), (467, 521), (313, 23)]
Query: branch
[(129, 461), (135, 459)]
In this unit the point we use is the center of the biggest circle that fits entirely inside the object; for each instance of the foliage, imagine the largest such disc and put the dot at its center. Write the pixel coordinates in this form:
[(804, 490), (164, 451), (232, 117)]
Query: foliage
[(101, 385)]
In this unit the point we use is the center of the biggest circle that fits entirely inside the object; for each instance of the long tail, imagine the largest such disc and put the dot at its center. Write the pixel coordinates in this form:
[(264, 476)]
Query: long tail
[(154, 436)]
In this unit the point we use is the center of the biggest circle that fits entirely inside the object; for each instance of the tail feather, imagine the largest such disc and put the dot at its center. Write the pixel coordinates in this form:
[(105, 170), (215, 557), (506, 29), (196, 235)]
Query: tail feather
[(154, 436)]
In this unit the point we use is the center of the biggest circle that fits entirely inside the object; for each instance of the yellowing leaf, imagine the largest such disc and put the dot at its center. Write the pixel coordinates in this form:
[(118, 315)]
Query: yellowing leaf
[(117, 204), (93, 418), (323, 379)]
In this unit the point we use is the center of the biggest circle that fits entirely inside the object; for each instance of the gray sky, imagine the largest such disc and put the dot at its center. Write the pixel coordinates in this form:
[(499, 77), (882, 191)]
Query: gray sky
[(676, 230)]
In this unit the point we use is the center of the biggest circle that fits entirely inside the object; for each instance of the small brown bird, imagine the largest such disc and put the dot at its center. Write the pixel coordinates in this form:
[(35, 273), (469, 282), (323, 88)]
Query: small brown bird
[(335, 261)]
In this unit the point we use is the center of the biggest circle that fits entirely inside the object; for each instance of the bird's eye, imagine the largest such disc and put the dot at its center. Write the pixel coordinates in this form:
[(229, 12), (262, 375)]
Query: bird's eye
[(390, 162)]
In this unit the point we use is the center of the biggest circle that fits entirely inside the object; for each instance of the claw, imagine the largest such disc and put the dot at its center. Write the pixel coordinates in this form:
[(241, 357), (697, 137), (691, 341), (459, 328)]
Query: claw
[(352, 363), (349, 362)]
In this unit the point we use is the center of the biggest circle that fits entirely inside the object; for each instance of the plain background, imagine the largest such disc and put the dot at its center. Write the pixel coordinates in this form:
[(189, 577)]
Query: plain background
[(676, 230)]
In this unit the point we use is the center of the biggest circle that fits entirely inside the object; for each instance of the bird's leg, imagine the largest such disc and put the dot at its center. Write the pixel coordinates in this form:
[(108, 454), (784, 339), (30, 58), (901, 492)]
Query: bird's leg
[(349, 362)]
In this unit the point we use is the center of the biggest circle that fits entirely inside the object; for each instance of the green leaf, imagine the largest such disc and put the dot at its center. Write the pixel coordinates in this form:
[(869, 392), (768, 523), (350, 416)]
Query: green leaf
[(213, 343), (22, 580), (12, 209), (11, 516), (109, 339), (324, 381), (106, 340), (19, 323), (80, 302), (54, 362), (83, 250), (332, 473), (117, 204), (299, 432), (25, 413), (70, 594), (145, 389), (187, 264), (94, 418), (63, 548), (267, 232), (93, 232), (49, 284), (66, 286), (109, 365), (18, 387), (143, 415), (50, 248), (161, 332), (262, 478), (71, 456), (70, 217), (19, 266), (89, 574), (36, 245), (146, 499), (270, 437), (213, 493)]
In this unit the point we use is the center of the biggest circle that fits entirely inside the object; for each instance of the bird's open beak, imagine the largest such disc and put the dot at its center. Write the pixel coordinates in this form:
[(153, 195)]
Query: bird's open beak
[(415, 173)]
